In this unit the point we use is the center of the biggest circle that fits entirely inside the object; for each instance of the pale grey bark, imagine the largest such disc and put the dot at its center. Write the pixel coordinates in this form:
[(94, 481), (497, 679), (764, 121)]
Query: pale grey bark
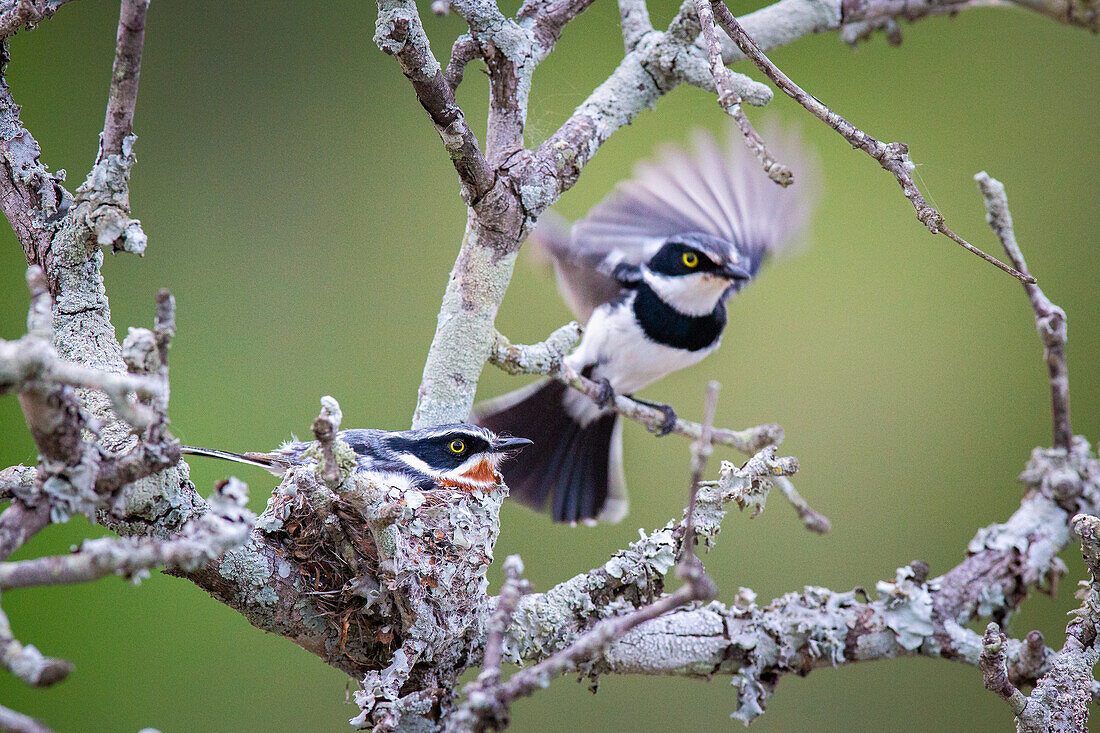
[(389, 585)]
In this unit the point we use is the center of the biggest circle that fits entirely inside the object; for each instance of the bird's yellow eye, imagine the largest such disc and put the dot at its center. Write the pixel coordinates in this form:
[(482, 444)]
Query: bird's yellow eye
[(457, 446), (690, 259)]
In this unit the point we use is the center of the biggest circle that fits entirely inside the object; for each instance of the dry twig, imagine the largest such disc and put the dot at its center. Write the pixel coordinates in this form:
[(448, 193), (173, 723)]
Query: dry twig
[(1050, 320), (893, 157)]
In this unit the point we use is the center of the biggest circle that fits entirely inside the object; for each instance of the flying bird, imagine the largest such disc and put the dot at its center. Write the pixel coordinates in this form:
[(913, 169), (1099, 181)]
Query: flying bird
[(649, 270), (465, 457)]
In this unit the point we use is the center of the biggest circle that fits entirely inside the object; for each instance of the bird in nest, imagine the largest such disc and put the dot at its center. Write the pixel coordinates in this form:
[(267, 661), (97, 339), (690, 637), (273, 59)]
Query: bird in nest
[(463, 457)]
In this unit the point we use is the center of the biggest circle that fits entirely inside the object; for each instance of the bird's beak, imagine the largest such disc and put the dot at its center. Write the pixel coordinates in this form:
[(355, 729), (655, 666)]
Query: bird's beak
[(509, 443), (730, 271)]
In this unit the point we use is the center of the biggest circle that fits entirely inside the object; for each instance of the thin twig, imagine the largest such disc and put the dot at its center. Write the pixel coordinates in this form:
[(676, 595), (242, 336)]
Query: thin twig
[(995, 671), (1050, 320), (15, 722), (515, 587), (730, 100), (481, 709), (325, 427), (26, 662), (893, 157), (813, 520), (546, 359), (700, 452), (119, 123)]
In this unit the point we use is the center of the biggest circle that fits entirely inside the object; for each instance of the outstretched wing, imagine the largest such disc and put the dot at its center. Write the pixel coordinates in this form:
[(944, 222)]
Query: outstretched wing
[(716, 189)]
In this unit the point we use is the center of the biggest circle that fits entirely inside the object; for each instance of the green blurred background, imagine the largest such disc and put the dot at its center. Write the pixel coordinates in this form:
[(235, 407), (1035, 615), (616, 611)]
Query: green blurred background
[(301, 209)]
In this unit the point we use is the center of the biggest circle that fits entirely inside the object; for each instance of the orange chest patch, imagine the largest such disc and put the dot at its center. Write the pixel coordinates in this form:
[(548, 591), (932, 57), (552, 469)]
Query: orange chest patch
[(479, 476)]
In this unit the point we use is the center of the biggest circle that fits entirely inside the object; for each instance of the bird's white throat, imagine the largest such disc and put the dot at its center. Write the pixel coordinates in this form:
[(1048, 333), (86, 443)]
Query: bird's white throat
[(693, 295)]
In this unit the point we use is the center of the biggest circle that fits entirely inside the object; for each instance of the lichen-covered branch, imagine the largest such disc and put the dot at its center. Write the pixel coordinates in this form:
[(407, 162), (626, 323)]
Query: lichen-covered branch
[(635, 22), (224, 526), (16, 722), (818, 627), (1060, 699)]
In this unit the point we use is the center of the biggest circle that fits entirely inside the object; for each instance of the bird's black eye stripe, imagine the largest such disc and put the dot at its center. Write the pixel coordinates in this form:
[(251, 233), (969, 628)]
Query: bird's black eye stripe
[(677, 258)]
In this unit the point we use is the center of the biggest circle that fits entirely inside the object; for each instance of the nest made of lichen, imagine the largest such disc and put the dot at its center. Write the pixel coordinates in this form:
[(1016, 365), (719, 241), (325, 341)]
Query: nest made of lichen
[(364, 632)]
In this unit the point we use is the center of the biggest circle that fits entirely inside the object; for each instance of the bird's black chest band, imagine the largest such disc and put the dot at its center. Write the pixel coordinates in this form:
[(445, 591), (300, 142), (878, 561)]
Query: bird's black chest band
[(665, 325)]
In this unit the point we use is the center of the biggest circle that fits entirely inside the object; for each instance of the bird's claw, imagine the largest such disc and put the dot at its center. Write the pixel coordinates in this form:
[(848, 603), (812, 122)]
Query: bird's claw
[(604, 394), (668, 424)]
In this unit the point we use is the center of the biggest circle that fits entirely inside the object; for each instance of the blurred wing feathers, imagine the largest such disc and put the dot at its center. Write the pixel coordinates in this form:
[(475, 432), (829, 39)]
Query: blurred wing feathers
[(716, 189)]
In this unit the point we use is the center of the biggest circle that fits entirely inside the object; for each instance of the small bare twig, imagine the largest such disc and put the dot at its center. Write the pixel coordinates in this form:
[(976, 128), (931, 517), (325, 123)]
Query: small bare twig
[(514, 588), (325, 427), (700, 452), (15, 722), (730, 100), (1050, 320), (893, 157), (125, 73), (995, 671), (164, 327), (26, 662), (1032, 658), (546, 359), (464, 50), (811, 519), (480, 709)]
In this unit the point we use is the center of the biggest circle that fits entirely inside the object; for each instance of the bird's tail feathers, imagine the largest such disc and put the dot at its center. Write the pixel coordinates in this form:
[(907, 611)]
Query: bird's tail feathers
[(574, 469), (262, 460)]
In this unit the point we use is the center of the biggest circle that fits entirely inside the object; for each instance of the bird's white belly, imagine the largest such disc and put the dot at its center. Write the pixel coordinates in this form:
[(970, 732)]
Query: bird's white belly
[(624, 355)]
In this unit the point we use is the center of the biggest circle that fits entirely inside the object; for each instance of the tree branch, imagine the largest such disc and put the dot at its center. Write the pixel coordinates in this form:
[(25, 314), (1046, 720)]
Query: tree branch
[(119, 122), (546, 359), (893, 157), (400, 33), (1050, 320), (817, 627), (226, 525), (730, 100), (26, 662), (14, 722)]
